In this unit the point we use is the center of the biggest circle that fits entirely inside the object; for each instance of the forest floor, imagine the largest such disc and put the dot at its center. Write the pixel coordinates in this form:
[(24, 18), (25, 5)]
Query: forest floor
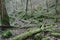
[(21, 31)]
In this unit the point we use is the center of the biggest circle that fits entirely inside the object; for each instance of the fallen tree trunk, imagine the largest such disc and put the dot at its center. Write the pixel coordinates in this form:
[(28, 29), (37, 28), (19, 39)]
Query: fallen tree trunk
[(12, 27), (55, 35), (26, 35), (32, 33)]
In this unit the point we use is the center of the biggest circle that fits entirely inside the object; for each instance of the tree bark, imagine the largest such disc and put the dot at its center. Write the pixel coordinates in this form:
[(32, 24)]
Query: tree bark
[(31, 8), (47, 5), (56, 6), (26, 8), (4, 15)]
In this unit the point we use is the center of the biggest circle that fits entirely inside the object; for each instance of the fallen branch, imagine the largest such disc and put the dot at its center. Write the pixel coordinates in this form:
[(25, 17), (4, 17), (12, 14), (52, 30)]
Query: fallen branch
[(12, 27)]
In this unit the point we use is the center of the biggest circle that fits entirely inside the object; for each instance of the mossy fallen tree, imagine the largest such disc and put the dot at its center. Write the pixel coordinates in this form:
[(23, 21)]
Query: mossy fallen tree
[(55, 35), (47, 17), (21, 27), (26, 35), (32, 33), (47, 38)]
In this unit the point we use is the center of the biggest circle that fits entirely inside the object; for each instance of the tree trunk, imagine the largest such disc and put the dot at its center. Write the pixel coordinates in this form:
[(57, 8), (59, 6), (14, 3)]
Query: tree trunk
[(47, 5), (26, 8), (31, 8), (56, 6), (4, 15)]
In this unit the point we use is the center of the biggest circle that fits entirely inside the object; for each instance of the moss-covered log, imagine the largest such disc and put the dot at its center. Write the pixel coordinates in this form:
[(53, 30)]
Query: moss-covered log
[(26, 35), (47, 38), (24, 27), (55, 35), (12, 27), (33, 32)]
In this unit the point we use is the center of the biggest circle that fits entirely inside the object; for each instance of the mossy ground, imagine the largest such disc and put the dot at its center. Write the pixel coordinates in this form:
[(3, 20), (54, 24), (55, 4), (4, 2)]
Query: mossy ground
[(39, 19)]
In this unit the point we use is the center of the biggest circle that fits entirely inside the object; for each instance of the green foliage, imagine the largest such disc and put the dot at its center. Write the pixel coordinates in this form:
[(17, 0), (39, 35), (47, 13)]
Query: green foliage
[(6, 34)]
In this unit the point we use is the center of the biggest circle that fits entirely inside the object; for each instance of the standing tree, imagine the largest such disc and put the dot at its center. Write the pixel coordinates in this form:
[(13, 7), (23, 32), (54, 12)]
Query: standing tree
[(56, 6), (26, 7), (4, 15), (31, 7), (47, 5)]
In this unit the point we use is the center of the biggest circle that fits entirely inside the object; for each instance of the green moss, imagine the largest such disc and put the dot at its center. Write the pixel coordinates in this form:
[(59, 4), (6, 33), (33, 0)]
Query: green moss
[(5, 20), (27, 34), (6, 34), (47, 38), (41, 19), (47, 16), (38, 37), (55, 35), (53, 17)]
